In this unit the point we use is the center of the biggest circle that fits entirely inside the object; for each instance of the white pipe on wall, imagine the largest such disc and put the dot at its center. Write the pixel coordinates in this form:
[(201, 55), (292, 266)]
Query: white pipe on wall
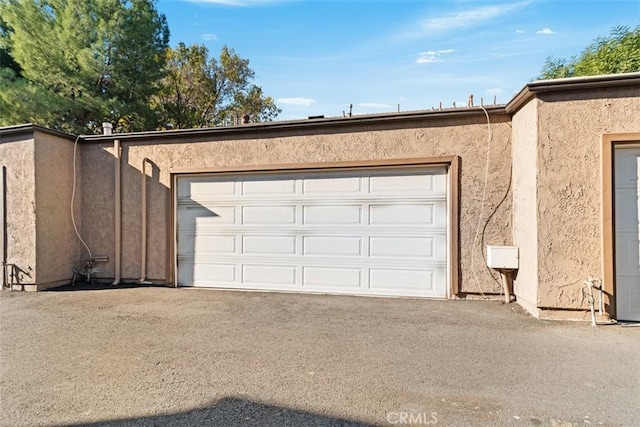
[(118, 212), (143, 263)]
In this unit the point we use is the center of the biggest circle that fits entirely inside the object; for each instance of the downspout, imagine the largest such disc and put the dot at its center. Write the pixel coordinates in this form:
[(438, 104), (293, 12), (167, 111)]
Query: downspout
[(118, 212), (143, 264), (3, 226)]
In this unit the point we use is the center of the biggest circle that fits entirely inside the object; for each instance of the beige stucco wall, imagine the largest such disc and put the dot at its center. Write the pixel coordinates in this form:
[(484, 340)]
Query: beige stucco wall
[(525, 206), (570, 130), (17, 155), (425, 137), (57, 248)]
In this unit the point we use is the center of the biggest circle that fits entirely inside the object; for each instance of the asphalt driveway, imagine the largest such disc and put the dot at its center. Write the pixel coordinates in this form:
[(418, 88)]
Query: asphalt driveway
[(161, 356)]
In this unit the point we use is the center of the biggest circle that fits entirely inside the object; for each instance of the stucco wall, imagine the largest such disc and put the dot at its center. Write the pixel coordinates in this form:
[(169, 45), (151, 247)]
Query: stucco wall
[(57, 248), (570, 130), (17, 155), (426, 137), (525, 225)]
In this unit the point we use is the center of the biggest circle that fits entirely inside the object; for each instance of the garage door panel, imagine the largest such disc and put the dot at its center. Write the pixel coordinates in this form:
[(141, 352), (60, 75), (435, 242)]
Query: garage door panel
[(203, 189), (628, 299), (402, 214), (371, 231), (626, 214), (332, 245), (340, 185), (259, 187), (191, 216), (332, 215), (401, 184), (425, 183), (271, 245), (341, 277), (269, 274), (269, 215), (402, 247), (407, 279), (205, 273), (207, 243)]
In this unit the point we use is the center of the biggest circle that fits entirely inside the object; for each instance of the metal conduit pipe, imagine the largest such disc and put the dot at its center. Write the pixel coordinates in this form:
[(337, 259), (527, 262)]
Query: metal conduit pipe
[(143, 263), (118, 212)]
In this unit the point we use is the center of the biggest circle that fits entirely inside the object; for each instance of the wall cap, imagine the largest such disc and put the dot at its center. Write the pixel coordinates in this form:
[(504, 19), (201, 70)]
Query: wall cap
[(530, 90), (33, 129)]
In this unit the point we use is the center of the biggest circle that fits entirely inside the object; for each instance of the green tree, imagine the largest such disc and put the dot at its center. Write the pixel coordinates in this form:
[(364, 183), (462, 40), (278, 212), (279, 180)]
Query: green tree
[(6, 60), (617, 53), (199, 91), (82, 62)]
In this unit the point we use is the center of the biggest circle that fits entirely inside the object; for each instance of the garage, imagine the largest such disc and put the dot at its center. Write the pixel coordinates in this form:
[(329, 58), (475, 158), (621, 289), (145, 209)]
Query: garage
[(358, 231), (627, 232)]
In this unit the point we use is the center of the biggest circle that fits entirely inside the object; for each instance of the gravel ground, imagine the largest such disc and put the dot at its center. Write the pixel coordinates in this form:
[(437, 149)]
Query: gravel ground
[(159, 356)]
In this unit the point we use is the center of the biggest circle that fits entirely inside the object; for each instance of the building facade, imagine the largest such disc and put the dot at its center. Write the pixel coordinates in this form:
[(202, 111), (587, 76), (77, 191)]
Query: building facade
[(400, 204)]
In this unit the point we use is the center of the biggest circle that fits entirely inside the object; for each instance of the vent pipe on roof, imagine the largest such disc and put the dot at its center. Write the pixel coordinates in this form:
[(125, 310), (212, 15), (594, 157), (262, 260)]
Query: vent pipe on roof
[(107, 128)]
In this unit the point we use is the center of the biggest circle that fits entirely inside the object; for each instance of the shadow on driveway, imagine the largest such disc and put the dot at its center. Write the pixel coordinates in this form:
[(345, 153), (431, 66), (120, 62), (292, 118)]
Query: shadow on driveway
[(232, 411), (101, 286)]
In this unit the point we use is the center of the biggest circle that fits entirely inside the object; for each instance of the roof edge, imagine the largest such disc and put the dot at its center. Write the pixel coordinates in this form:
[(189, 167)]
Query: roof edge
[(302, 124), (530, 90), (32, 127)]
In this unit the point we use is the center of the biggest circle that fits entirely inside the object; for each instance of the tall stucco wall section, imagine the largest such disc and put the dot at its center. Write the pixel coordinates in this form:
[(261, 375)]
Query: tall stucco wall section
[(570, 131), (525, 221), (466, 137), (17, 155), (57, 247)]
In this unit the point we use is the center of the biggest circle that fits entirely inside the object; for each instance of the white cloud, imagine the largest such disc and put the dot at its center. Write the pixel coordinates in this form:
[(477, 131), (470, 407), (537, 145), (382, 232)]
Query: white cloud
[(520, 31), (241, 3), (209, 36), (374, 105), (431, 56), (545, 31), (461, 20), (495, 91), (297, 100)]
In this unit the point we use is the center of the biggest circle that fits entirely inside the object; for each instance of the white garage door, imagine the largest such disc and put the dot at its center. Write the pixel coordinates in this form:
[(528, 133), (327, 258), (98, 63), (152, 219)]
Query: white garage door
[(627, 233), (360, 232)]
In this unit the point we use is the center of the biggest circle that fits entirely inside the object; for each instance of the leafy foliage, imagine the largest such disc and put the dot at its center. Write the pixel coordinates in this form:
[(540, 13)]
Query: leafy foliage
[(72, 64), (199, 91), (83, 62), (617, 53)]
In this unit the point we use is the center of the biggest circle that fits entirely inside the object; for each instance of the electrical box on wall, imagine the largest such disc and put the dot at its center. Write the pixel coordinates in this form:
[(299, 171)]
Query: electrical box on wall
[(503, 257)]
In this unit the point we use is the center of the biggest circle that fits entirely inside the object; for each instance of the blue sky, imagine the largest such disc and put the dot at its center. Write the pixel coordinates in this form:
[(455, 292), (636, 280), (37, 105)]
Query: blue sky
[(317, 57)]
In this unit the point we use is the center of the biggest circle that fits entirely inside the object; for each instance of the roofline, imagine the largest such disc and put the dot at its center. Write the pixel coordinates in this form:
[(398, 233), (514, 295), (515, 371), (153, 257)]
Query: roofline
[(32, 127), (530, 90), (304, 124)]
